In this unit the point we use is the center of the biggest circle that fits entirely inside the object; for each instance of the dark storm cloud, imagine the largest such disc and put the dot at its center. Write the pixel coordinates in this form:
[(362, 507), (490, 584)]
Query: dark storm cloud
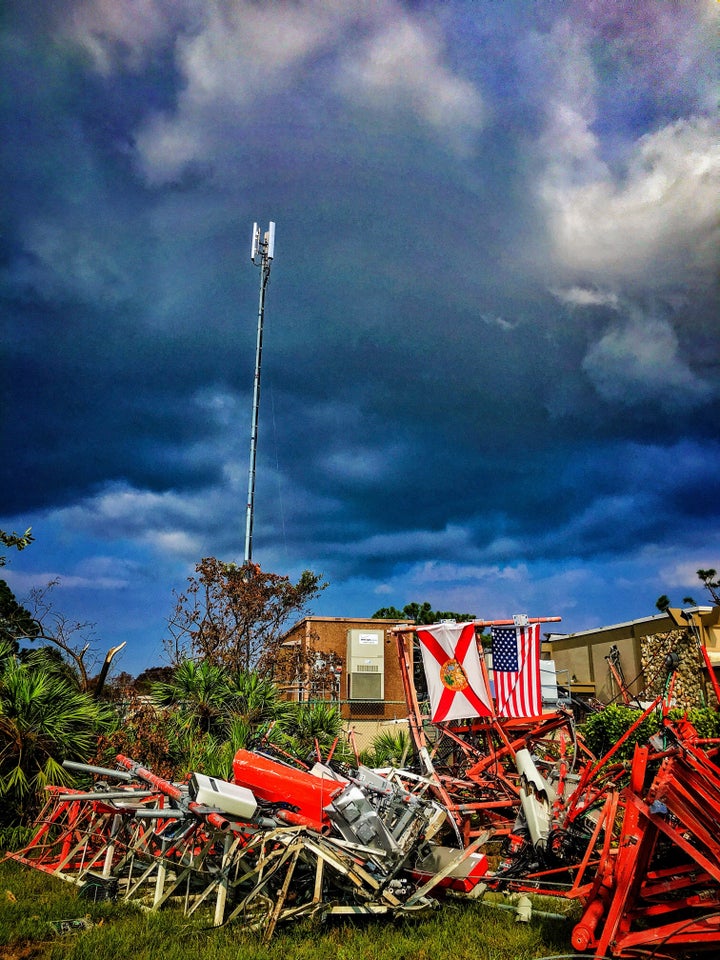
[(491, 334)]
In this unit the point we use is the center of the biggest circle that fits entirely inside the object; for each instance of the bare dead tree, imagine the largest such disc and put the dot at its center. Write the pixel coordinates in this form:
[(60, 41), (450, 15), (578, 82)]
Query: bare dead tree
[(74, 638)]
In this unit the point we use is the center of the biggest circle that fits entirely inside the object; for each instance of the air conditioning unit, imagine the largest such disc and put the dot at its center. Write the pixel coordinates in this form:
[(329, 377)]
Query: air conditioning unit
[(366, 664)]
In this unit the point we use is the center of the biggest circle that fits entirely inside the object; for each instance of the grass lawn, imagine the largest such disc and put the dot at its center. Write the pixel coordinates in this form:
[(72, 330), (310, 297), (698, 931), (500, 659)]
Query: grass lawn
[(33, 906)]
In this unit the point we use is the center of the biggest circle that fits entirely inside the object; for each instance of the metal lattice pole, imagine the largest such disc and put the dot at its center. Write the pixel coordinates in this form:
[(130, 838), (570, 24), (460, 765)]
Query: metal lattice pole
[(262, 253)]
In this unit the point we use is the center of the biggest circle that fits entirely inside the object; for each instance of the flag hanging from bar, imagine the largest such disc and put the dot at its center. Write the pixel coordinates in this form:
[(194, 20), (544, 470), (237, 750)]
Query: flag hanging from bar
[(456, 684), (516, 670)]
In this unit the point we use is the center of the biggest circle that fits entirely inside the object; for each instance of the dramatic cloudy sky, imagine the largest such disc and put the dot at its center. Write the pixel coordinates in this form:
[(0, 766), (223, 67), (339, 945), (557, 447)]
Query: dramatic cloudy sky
[(491, 369)]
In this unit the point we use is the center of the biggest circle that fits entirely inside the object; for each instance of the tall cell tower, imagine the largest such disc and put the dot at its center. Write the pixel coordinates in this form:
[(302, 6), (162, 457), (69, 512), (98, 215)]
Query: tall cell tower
[(262, 253)]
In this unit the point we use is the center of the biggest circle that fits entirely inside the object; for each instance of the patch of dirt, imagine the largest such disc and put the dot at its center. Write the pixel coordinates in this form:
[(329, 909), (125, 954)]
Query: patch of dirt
[(23, 950)]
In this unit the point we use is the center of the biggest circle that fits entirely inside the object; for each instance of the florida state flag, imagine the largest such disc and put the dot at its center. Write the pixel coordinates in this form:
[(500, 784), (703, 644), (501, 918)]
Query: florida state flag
[(455, 680)]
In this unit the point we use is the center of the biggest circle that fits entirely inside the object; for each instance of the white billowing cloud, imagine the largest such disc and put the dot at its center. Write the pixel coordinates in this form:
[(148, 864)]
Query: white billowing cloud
[(177, 543), (490, 591), (504, 547), (106, 568), (658, 222), (363, 462), (68, 262), (568, 144), (409, 542), (242, 52), (493, 320), (485, 590), (614, 234), (23, 582), (168, 522), (402, 65), (120, 34), (246, 51), (587, 297), (245, 48), (382, 589), (166, 146), (222, 406), (358, 463), (639, 361), (433, 571), (683, 574)]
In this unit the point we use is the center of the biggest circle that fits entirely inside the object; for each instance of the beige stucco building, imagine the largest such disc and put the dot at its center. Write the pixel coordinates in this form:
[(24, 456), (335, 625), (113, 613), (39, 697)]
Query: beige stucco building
[(635, 654)]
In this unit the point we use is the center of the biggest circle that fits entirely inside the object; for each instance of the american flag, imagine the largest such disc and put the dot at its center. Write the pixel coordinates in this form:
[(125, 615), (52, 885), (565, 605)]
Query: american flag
[(516, 670)]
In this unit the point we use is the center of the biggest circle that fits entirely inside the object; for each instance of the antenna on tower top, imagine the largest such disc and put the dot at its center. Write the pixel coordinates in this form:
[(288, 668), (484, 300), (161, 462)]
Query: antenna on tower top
[(262, 252)]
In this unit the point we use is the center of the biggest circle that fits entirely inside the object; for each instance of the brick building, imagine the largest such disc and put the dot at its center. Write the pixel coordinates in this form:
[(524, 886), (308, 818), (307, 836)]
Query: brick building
[(348, 660)]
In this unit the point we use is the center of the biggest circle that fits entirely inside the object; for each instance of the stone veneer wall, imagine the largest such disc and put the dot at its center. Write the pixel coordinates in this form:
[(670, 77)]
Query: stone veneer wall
[(691, 688)]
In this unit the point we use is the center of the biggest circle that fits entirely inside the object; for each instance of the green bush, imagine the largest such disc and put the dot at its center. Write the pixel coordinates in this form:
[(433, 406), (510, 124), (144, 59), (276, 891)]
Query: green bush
[(200, 719), (604, 729), (706, 720)]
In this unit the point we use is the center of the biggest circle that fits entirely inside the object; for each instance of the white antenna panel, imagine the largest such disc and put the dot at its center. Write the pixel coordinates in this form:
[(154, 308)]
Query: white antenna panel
[(255, 239), (270, 240)]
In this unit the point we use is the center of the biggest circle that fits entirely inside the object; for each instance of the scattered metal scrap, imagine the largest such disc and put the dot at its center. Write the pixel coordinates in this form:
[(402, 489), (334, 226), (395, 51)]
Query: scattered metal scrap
[(277, 843), (657, 885), (637, 845)]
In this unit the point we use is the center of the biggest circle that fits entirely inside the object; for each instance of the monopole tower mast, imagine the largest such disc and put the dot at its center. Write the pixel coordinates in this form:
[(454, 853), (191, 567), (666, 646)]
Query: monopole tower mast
[(261, 254)]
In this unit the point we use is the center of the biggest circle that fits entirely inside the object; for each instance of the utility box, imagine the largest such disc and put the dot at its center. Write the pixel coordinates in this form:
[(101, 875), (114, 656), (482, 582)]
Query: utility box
[(366, 664), (228, 797)]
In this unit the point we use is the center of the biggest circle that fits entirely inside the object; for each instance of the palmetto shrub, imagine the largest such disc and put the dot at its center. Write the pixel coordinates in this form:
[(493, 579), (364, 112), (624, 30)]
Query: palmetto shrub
[(314, 730), (44, 719), (389, 749)]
